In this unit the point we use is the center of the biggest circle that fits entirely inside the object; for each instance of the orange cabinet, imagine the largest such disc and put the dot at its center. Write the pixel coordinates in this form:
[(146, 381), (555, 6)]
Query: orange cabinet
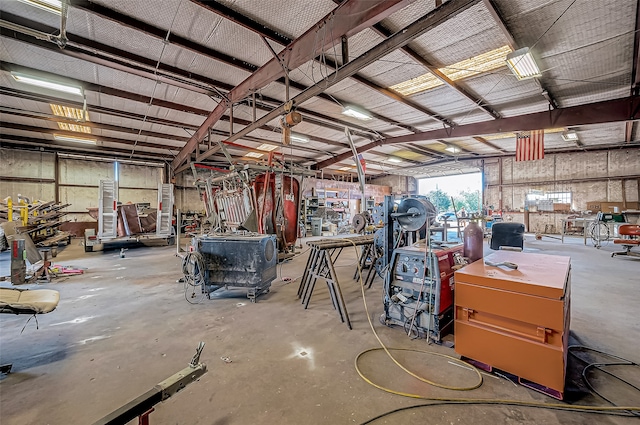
[(516, 320)]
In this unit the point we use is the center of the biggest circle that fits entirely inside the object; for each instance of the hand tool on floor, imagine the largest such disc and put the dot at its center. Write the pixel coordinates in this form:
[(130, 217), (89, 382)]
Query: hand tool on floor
[(507, 264)]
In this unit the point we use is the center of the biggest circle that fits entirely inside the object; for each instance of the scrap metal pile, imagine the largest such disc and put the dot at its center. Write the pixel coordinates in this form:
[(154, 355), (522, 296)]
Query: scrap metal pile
[(37, 219), (132, 219), (253, 216), (260, 199)]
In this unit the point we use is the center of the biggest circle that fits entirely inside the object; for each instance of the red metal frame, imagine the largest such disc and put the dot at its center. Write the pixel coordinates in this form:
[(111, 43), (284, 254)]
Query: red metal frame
[(349, 17), (616, 110)]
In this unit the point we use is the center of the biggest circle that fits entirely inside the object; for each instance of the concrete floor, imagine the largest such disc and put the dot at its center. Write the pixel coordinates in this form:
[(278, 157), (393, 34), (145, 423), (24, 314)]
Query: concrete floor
[(124, 326)]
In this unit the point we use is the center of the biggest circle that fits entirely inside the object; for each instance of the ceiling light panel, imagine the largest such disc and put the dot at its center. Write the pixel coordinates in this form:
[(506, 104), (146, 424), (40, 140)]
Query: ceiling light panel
[(407, 154), (484, 62), (267, 147), (417, 85), (254, 155), (458, 39), (68, 112), (74, 127)]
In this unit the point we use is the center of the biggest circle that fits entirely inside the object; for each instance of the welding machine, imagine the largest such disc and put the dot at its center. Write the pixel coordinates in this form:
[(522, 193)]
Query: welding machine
[(418, 290)]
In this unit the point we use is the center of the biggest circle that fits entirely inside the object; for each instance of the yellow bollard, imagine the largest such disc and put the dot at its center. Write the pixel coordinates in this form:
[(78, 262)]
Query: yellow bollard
[(10, 209), (24, 212)]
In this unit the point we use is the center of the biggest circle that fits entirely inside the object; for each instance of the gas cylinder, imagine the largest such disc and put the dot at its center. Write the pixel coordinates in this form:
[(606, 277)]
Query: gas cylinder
[(473, 238)]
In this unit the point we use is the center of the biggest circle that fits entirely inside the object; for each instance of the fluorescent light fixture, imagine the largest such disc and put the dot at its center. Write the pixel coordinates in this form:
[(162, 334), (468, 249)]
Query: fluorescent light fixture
[(394, 159), (54, 6), (35, 81), (267, 147), (484, 62), (569, 136), (74, 139), (254, 155), (522, 64), (344, 169), (300, 138), (452, 149), (350, 111)]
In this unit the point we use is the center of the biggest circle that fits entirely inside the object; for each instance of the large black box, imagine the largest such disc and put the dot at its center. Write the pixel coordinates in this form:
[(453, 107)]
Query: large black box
[(233, 260)]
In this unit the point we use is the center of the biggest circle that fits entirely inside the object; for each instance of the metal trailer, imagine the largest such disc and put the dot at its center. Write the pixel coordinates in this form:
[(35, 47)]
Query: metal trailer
[(107, 235)]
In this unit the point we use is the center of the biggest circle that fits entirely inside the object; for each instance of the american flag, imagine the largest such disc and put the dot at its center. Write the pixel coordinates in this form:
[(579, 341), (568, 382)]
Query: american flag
[(363, 163), (530, 145)]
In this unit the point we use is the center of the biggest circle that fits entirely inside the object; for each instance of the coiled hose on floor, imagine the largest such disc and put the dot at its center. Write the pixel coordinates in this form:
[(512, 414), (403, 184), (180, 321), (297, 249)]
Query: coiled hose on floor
[(629, 411), (193, 269)]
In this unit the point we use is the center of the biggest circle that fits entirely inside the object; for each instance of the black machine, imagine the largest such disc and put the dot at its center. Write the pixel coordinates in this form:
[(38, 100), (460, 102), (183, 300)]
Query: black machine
[(418, 277), (236, 260)]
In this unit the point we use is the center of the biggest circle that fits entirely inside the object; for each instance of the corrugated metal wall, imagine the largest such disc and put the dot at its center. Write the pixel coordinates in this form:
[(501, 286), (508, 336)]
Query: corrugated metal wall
[(33, 174), (589, 176)]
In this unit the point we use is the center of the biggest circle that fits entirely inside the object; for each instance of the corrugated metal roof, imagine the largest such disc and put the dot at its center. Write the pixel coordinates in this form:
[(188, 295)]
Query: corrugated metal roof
[(584, 48)]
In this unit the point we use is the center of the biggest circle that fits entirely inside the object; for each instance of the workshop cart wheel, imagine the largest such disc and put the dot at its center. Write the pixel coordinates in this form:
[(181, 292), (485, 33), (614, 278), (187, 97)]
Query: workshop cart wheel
[(384, 321)]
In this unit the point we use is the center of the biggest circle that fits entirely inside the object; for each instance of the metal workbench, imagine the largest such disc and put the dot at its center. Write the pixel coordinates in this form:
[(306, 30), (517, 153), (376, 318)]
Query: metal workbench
[(586, 223)]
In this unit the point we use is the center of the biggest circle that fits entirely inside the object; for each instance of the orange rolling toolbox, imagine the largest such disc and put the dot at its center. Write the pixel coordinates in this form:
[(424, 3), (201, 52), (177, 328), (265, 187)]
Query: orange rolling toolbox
[(516, 320)]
